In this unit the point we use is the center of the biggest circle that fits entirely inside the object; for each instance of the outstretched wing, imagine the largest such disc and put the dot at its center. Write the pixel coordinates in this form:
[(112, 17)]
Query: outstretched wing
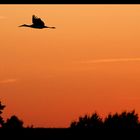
[(37, 21)]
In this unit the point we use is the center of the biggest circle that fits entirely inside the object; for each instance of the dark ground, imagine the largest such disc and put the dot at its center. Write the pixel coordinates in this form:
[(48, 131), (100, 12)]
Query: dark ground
[(65, 134)]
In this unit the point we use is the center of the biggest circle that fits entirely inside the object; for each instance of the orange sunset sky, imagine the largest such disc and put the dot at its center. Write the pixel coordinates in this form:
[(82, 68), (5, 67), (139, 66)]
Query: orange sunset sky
[(90, 62)]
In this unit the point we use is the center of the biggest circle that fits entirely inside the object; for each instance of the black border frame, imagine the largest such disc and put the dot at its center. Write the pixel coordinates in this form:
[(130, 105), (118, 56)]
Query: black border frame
[(69, 2)]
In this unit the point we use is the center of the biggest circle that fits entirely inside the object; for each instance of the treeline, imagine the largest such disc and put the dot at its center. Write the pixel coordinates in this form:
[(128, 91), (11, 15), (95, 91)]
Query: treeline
[(124, 120), (12, 122)]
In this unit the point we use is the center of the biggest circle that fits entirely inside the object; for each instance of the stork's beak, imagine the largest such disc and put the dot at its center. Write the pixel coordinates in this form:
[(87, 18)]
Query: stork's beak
[(53, 27)]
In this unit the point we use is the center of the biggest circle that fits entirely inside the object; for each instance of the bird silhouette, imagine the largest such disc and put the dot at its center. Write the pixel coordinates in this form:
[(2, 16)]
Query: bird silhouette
[(37, 23)]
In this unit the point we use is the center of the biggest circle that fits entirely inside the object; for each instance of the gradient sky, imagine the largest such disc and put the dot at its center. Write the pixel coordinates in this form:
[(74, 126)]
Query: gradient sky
[(90, 62)]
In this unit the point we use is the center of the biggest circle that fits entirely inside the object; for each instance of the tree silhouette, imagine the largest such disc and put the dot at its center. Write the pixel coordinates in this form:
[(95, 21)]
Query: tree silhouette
[(123, 120), (13, 122), (1, 119), (93, 121)]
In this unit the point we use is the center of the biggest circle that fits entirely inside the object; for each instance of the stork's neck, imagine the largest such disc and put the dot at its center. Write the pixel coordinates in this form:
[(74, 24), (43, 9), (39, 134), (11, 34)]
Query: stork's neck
[(25, 25)]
